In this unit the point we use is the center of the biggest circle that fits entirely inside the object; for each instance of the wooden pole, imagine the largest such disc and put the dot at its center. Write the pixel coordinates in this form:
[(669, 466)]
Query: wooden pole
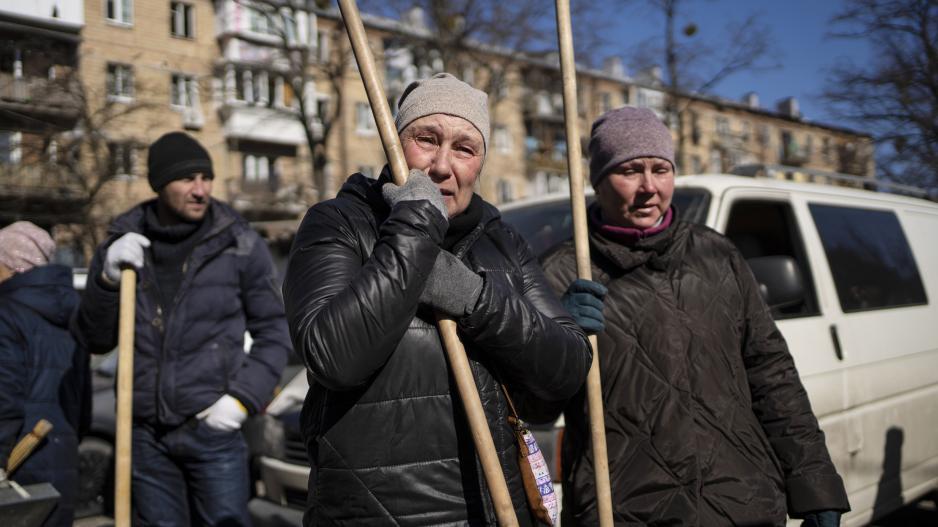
[(468, 392), (594, 393), (24, 447), (125, 394)]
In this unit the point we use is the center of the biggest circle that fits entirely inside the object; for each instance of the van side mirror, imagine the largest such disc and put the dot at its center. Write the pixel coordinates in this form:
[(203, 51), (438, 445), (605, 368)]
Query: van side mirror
[(780, 281)]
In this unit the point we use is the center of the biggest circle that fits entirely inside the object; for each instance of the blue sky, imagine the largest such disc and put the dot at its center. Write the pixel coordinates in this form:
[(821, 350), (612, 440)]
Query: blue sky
[(799, 29)]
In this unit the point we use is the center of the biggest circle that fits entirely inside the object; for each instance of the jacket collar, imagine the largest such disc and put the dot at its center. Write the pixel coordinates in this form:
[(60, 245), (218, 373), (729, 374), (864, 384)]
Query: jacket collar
[(659, 252), (222, 217)]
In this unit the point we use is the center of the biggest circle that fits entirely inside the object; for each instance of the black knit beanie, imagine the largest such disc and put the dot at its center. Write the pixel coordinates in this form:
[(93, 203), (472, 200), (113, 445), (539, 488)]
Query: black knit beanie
[(174, 156)]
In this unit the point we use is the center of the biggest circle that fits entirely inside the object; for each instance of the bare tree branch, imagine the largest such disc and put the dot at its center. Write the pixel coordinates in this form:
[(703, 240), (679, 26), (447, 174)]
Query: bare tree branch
[(895, 96)]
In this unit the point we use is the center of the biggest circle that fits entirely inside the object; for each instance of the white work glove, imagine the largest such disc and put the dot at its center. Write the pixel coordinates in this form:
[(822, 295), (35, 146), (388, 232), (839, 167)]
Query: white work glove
[(225, 415), (127, 250)]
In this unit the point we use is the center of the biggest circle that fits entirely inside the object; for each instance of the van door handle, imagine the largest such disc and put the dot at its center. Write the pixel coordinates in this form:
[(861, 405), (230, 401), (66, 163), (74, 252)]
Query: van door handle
[(834, 337)]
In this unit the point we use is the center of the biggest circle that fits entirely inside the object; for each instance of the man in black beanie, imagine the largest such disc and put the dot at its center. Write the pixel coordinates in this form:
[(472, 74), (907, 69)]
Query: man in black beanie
[(204, 279)]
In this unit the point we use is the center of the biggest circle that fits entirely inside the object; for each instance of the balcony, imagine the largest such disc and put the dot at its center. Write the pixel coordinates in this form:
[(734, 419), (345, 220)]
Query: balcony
[(266, 124), (37, 96), (793, 154), (266, 201), (544, 106), (40, 192)]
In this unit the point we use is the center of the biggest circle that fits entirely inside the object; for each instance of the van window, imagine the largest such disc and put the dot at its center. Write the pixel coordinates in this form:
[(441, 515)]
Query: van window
[(691, 203), (870, 258), (768, 228), (542, 225)]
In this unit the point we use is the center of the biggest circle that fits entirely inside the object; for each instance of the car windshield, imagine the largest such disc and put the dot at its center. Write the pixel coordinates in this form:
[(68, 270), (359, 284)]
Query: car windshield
[(548, 223)]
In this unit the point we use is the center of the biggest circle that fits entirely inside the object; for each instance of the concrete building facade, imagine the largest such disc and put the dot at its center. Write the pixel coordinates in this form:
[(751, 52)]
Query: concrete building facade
[(271, 89)]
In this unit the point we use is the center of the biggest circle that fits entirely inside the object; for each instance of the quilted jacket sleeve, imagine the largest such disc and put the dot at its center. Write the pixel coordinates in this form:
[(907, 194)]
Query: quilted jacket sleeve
[(254, 383), (347, 310), (781, 404), (95, 323), (528, 334)]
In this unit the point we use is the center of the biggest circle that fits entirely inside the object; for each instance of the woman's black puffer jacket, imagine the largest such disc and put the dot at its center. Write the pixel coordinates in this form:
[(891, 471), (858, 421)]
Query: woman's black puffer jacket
[(386, 435), (707, 422)]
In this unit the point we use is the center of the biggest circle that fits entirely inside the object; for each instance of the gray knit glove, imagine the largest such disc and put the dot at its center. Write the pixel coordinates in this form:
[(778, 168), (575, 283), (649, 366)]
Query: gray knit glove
[(452, 288), (418, 186)]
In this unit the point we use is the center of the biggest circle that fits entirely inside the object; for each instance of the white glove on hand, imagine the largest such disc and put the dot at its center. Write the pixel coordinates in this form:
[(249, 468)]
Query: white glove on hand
[(225, 415), (127, 250)]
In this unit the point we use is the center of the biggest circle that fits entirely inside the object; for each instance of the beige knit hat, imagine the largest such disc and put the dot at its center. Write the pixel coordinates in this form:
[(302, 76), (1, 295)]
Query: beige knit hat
[(443, 93), (23, 246)]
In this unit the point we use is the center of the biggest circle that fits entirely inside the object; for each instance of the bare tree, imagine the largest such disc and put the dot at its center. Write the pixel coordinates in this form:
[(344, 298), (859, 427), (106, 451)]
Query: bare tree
[(696, 66), (308, 63), (74, 165), (895, 95)]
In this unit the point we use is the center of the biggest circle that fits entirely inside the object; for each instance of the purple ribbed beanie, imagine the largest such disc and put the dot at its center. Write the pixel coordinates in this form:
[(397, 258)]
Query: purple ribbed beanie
[(627, 133)]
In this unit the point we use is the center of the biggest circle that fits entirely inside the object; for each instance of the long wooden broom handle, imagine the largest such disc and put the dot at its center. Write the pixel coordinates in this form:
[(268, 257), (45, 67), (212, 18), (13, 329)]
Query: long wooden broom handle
[(456, 353), (594, 393), (125, 397)]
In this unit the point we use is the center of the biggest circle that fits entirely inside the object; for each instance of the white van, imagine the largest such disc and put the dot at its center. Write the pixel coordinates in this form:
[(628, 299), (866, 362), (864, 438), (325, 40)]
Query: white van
[(852, 276)]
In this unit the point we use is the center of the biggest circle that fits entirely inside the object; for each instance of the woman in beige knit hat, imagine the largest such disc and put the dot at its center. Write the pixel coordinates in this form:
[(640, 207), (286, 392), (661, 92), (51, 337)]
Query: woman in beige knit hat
[(387, 437)]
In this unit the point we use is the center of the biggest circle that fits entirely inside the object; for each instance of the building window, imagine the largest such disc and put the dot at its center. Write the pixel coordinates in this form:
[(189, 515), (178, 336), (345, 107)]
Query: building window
[(260, 170), (722, 126), (364, 120), (120, 81), (261, 22), (506, 192), (120, 11), (826, 149), (11, 150), (123, 159), (503, 143), (605, 102), (184, 92), (180, 20), (716, 160), (746, 132)]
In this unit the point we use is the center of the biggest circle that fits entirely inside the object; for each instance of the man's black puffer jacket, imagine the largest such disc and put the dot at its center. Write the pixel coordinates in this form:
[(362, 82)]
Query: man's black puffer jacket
[(386, 437), (707, 421)]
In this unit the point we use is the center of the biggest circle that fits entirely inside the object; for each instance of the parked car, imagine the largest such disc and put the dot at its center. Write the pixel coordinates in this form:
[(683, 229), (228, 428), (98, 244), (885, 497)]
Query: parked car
[(853, 276)]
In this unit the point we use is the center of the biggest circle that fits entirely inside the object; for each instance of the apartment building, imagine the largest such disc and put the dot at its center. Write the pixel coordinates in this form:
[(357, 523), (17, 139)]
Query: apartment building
[(39, 44), (271, 89)]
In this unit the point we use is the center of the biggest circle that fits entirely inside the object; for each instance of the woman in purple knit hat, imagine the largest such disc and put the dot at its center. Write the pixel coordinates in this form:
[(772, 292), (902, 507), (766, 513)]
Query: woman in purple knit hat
[(707, 422)]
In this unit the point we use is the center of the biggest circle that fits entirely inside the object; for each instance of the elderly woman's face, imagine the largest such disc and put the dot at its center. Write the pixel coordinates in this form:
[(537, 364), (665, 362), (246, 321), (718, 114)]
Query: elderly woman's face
[(637, 193), (450, 150)]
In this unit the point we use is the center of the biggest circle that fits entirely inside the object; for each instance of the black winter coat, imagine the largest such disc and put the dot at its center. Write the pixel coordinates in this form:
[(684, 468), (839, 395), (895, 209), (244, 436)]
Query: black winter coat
[(707, 422), (186, 361), (44, 374), (387, 440)]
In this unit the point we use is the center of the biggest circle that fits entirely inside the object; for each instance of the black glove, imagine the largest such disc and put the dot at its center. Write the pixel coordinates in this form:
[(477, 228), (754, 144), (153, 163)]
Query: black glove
[(821, 519), (452, 288), (584, 301), (418, 186)]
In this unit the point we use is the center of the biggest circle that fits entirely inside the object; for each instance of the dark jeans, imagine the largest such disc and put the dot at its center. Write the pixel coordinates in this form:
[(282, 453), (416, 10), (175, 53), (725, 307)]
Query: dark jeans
[(190, 475)]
